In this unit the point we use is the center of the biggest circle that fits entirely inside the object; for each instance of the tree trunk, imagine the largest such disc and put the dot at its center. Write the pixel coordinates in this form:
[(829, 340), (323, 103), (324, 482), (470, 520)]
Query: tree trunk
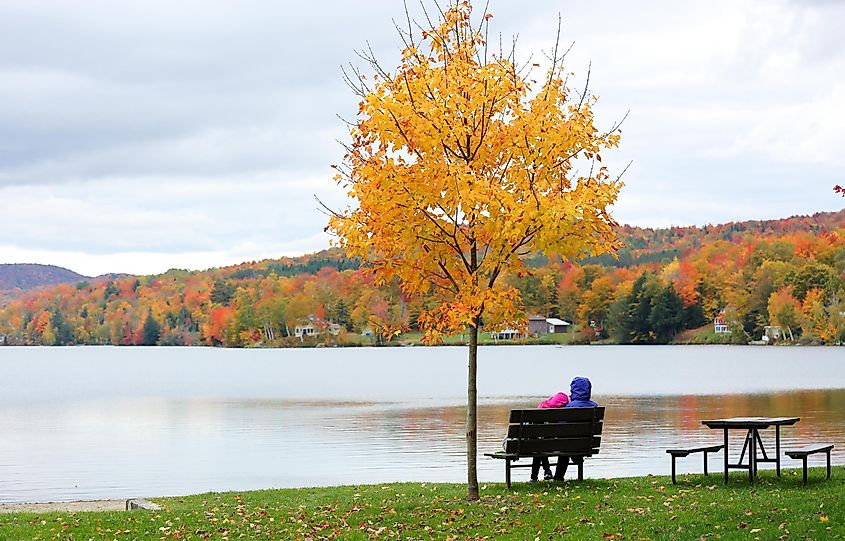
[(472, 418)]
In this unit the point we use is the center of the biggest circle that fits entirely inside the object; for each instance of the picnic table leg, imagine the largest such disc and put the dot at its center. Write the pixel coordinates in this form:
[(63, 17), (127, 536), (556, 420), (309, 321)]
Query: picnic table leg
[(752, 457), (761, 448), (745, 447), (726, 456), (805, 469), (777, 449), (674, 482), (508, 472)]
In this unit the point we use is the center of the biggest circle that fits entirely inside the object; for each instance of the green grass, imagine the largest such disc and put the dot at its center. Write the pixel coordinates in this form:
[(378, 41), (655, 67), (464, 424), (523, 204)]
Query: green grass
[(635, 508)]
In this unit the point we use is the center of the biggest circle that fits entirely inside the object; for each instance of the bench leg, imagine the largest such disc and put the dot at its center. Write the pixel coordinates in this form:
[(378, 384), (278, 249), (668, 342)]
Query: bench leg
[(828, 463), (581, 470), (674, 481), (726, 456), (508, 472), (805, 469), (705, 463)]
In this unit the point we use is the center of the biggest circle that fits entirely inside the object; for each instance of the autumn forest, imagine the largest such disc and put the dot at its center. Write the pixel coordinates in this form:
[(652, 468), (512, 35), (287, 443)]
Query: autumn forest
[(666, 285)]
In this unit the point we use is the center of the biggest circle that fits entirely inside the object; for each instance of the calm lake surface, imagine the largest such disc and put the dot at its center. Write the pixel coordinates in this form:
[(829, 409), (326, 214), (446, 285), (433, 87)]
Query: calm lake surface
[(103, 422)]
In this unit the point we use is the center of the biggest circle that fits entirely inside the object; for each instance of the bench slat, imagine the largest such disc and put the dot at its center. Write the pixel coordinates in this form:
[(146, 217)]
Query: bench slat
[(553, 430), (556, 415), (685, 451), (583, 445)]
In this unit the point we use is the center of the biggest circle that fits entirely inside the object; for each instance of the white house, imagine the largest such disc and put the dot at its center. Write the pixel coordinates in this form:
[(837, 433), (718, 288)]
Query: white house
[(303, 331), (722, 321), (506, 334), (556, 325)]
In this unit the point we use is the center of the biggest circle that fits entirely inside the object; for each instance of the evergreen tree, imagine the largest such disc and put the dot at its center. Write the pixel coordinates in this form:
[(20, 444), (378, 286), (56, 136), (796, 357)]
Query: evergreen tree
[(667, 315), (693, 316), (63, 332), (222, 292), (341, 316), (110, 291), (639, 310), (151, 331)]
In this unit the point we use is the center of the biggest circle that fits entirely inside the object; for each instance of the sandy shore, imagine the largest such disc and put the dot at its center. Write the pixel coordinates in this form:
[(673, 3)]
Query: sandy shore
[(75, 507)]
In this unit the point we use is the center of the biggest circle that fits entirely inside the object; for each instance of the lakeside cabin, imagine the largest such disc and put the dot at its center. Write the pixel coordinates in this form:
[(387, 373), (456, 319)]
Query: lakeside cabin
[(537, 325), (507, 334), (308, 330), (304, 331), (771, 334), (557, 326), (722, 321)]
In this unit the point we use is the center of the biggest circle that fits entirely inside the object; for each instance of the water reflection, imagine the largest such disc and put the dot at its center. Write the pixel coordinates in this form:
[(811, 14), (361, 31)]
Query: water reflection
[(143, 447)]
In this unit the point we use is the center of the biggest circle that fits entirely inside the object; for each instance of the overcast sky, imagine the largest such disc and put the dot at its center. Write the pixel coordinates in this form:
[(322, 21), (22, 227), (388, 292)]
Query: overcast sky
[(141, 136)]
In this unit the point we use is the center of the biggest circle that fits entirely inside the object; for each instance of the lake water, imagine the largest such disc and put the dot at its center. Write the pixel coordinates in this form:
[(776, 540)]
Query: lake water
[(103, 422)]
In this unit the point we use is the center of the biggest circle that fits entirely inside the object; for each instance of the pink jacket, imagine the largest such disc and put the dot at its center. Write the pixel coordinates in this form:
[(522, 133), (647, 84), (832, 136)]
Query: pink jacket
[(557, 401)]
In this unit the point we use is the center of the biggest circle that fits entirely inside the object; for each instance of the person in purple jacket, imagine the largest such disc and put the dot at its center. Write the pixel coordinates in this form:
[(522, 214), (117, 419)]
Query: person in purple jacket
[(580, 396), (559, 400)]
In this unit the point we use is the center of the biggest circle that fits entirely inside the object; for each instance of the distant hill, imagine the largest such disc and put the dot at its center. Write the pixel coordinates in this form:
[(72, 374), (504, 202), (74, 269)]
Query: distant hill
[(792, 267), (25, 276), (645, 245)]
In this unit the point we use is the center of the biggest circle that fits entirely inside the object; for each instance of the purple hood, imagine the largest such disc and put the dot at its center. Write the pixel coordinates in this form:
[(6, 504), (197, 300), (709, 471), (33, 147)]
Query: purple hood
[(580, 394)]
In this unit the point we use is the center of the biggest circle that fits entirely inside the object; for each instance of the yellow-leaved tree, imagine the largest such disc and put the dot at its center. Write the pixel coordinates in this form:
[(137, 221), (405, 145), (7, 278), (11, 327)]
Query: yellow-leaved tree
[(460, 165)]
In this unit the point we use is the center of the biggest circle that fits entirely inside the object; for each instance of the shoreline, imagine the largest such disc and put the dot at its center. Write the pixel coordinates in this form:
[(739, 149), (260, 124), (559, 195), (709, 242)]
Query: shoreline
[(80, 506), (74, 506), (738, 480), (322, 345)]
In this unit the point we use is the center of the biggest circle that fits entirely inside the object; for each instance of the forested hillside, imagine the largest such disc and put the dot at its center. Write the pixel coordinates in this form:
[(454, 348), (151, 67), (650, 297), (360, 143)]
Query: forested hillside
[(25, 276), (789, 273)]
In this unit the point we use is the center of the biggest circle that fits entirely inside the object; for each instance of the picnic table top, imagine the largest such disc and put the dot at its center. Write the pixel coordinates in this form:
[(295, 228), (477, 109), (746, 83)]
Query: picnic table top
[(750, 422)]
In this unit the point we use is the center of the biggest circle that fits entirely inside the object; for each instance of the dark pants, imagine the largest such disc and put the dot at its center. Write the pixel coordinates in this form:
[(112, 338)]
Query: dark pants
[(535, 466), (563, 463)]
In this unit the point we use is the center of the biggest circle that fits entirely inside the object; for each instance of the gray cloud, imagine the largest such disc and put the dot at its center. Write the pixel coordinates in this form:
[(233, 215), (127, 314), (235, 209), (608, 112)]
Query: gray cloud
[(136, 136)]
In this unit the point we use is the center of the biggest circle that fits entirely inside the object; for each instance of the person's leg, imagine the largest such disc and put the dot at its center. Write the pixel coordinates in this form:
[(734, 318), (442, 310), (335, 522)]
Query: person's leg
[(547, 469), (535, 468), (560, 469)]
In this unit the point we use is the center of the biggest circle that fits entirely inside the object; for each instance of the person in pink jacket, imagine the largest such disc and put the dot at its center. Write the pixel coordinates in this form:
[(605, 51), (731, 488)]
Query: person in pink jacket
[(559, 400)]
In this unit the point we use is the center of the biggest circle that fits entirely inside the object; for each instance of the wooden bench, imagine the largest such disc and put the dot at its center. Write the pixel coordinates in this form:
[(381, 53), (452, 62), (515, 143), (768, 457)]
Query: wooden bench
[(686, 451), (803, 452), (561, 433)]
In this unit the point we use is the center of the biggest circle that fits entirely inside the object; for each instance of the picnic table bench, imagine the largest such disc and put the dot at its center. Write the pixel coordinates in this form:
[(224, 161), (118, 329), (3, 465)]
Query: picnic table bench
[(561, 433), (686, 451), (803, 452)]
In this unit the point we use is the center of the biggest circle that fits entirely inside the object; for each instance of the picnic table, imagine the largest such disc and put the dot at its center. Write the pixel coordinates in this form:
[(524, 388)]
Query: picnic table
[(753, 442)]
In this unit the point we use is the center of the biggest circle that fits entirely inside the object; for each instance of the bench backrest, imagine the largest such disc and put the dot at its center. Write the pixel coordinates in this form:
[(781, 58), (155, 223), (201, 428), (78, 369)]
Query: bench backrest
[(568, 431)]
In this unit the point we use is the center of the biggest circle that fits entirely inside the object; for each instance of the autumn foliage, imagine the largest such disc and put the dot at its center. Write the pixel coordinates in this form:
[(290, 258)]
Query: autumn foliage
[(460, 167), (739, 264)]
